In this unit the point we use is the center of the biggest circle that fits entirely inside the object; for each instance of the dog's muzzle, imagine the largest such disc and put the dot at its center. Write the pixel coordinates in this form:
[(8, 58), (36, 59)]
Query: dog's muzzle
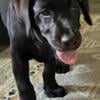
[(70, 53)]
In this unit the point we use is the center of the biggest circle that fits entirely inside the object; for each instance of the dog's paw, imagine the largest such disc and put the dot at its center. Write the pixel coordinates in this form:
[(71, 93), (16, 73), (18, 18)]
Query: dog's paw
[(59, 92), (62, 68)]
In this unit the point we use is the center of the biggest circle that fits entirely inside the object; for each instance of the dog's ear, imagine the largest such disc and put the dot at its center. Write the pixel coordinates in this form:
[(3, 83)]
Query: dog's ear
[(85, 10)]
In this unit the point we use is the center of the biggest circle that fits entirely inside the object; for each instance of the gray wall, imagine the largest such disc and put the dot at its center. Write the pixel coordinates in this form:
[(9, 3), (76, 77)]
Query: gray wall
[(3, 13), (3, 9)]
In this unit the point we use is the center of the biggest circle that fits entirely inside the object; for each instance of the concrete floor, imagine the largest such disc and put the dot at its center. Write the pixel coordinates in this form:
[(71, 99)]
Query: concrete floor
[(82, 82)]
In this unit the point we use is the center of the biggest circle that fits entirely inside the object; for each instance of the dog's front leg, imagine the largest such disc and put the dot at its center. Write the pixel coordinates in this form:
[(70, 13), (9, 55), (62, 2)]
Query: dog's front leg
[(62, 68), (21, 73), (52, 89)]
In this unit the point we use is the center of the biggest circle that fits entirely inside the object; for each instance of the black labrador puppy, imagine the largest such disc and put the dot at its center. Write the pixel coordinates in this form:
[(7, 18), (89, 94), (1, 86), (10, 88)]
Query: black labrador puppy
[(48, 31)]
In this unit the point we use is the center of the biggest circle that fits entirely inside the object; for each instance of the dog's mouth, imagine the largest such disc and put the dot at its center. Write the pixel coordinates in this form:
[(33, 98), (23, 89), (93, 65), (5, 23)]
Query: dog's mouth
[(68, 57)]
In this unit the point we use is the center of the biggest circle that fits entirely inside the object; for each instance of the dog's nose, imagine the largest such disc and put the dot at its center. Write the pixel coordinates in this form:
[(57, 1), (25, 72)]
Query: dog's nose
[(71, 42), (65, 38)]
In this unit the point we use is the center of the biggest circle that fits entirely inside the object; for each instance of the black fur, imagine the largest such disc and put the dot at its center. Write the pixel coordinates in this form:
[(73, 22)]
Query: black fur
[(36, 29)]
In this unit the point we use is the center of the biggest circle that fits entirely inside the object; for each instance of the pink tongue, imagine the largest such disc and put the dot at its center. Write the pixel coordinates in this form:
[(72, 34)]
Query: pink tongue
[(67, 57)]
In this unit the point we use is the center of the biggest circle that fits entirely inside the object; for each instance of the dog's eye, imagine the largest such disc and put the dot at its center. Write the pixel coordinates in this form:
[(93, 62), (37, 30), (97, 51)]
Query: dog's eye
[(45, 12)]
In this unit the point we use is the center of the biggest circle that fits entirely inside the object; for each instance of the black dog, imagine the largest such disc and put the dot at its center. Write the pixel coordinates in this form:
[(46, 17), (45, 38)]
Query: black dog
[(48, 31)]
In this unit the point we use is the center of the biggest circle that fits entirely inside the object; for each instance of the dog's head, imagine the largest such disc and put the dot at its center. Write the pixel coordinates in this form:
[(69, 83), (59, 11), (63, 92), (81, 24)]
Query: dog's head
[(58, 21)]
